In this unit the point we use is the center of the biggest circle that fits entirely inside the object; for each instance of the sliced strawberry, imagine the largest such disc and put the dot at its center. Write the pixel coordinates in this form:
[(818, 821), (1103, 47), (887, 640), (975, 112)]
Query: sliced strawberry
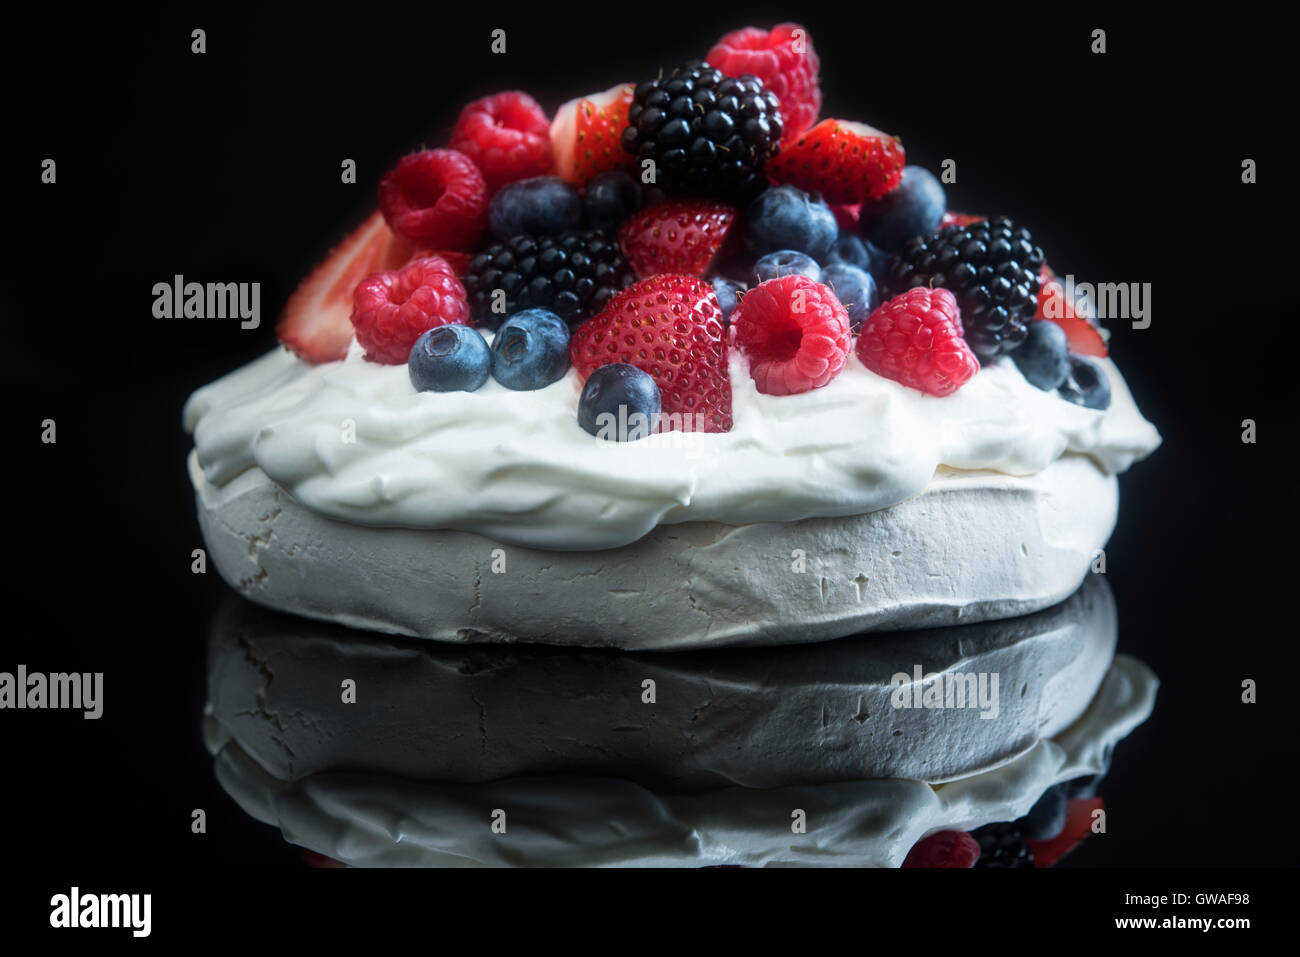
[(1078, 825), (845, 162), (960, 219), (316, 323), (586, 134), (677, 236), (1081, 333)]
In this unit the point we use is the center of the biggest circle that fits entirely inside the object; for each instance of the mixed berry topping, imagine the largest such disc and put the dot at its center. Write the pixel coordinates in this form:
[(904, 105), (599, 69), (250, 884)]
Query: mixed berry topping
[(1057, 823), (652, 227), (991, 267)]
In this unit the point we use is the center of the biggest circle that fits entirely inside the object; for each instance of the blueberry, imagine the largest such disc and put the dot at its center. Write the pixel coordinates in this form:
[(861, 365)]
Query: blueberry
[(619, 403), (531, 350), (650, 195), (879, 267), (1046, 818), (1044, 357), (785, 262), (784, 217), (852, 250), (1086, 385), (728, 292), (611, 198), (540, 206), (855, 289), (452, 358), (913, 209)]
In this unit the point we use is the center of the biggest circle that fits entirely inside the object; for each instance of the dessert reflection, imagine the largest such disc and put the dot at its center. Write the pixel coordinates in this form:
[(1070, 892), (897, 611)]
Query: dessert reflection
[(974, 744)]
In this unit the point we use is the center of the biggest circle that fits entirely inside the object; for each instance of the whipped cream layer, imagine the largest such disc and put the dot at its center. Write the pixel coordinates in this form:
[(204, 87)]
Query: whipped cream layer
[(354, 441)]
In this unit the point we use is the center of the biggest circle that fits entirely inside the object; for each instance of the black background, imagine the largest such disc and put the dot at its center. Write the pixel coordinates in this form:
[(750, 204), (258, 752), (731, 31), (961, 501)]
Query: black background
[(226, 167)]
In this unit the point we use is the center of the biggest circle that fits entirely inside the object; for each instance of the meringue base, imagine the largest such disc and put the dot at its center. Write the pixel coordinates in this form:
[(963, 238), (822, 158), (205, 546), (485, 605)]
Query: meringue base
[(974, 546)]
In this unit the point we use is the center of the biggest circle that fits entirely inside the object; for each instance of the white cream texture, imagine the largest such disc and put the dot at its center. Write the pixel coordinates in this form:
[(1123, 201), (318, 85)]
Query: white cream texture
[(354, 441)]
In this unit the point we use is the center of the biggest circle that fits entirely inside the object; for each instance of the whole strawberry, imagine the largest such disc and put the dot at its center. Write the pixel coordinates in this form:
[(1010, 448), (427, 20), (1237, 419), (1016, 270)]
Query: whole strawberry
[(916, 339), (677, 236), (669, 327), (794, 332), (393, 307), (784, 59)]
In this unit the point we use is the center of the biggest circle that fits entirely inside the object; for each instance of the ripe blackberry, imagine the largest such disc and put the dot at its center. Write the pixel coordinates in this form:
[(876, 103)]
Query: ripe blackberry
[(991, 267), (1002, 845), (573, 274), (708, 134)]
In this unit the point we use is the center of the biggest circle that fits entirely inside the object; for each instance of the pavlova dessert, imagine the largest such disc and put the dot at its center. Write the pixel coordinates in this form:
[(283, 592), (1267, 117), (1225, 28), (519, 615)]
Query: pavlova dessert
[(681, 365)]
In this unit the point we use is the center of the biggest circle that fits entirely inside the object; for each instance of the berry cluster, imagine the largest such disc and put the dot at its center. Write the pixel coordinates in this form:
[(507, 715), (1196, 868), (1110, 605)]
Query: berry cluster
[(1057, 823), (645, 230), (990, 266)]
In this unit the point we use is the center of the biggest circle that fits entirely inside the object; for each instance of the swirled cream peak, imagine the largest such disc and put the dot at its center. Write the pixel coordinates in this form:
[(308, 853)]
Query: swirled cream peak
[(354, 441)]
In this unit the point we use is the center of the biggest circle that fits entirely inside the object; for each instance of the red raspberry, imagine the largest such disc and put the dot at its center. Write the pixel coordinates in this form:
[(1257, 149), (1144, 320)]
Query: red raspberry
[(786, 63), (392, 308), (944, 849), (507, 136), (435, 199), (669, 327), (795, 333), (916, 339)]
